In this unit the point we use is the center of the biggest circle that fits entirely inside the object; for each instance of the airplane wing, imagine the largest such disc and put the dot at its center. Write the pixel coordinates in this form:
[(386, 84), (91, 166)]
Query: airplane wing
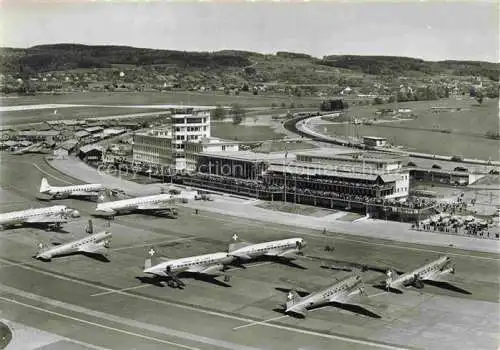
[(46, 219), (85, 194), (302, 311), (205, 269), (155, 206), (93, 249)]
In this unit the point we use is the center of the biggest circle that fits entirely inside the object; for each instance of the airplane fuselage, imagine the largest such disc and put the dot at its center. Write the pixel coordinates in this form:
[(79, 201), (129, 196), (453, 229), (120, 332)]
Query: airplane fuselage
[(282, 247), (56, 212), (422, 273), (215, 260), (133, 203), (74, 190), (100, 238), (339, 291)]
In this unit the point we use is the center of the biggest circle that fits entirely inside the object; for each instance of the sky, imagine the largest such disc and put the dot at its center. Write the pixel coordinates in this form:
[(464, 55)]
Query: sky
[(432, 30)]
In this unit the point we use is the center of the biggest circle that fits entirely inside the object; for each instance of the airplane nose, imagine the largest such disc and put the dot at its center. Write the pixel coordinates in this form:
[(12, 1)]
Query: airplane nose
[(75, 213)]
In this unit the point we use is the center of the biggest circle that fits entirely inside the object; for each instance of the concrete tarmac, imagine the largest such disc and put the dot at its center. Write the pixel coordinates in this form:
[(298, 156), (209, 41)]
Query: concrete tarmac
[(111, 305)]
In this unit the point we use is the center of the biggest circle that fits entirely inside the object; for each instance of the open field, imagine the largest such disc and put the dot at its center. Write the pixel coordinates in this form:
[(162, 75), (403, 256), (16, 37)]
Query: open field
[(244, 133), (41, 115), (447, 133), (170, 97)]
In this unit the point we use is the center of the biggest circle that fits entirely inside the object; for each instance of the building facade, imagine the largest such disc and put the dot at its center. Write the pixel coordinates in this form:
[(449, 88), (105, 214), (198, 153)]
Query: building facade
[(153, 147), (166, 147)]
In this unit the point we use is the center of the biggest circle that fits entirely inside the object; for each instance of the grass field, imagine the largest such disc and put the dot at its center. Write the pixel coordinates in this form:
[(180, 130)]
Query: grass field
[(244, 133), (447, 133), (171, 97), (40, 115)]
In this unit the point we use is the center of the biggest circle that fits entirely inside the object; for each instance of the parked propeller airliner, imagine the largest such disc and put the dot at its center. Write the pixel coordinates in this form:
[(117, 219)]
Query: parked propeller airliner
[(210, 265), (338, 294), (286, 249), (94, 244), (59, 192), (438, 271), (55, 215), (157, 202)]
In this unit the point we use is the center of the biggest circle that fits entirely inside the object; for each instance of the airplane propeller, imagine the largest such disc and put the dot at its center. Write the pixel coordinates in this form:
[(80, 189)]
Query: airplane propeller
[(107, 243)]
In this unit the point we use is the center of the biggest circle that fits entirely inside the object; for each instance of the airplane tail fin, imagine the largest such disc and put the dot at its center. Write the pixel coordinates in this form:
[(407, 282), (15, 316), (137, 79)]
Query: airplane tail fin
[(391, 275), (292, 298), (104, 196), (40, 247), (236, 243), (44, 186)]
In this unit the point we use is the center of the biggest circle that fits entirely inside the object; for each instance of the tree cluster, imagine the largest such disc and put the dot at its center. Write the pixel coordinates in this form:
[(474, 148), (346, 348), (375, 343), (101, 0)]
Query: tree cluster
[(333, 105)]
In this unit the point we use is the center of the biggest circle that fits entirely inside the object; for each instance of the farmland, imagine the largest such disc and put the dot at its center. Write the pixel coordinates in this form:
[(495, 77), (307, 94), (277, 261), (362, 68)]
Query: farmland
[(444, 132)]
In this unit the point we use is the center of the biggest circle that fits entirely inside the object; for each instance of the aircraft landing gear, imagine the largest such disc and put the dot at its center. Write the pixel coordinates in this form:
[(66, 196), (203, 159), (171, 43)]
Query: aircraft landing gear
[(227, 278)]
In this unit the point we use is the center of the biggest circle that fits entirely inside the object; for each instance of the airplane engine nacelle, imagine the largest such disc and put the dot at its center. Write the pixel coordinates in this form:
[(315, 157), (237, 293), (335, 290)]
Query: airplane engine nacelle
[(215, 269), (75, 214)]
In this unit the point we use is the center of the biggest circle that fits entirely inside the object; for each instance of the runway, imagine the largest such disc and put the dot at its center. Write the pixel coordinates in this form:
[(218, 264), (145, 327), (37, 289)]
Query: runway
[(112, 306)]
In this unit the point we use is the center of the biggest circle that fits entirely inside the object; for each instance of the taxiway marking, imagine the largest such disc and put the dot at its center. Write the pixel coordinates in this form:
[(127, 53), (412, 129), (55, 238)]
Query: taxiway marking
[(219, 344), (317, 235), (118, 330), (259, 322), (48, 174), (119, 290), (344, 338), (155, 243)]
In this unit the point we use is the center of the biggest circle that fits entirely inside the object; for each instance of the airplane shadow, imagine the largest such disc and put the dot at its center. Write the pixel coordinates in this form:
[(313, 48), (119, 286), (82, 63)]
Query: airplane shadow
[(273, 259), (97, 257), (301, 293), (391, 290), (157, 280), (357, 309), (448, 286)]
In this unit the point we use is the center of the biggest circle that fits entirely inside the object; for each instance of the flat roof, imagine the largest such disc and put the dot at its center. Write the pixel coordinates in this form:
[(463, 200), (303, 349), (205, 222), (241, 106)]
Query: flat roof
[(375, 138), (249, 155), (335, 154), (304, 168)]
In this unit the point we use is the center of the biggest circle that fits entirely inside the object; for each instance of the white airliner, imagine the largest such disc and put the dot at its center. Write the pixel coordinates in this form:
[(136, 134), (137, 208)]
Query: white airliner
[(148, 203), (339, 294), (56, 214), (210, 265), (87, 190), (94, 244), (438, 270), (286, 249)]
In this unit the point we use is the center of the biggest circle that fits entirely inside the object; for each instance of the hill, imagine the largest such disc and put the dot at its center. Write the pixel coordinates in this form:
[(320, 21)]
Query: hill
[(60, 57), (75, 67)]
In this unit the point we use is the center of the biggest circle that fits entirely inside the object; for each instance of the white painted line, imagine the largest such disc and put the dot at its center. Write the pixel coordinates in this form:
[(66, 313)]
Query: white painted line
[(98, 324), (216, 313), (120, 290), (377, 294), (52, 176), (317, 235), (259, 322), (153, 243)]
